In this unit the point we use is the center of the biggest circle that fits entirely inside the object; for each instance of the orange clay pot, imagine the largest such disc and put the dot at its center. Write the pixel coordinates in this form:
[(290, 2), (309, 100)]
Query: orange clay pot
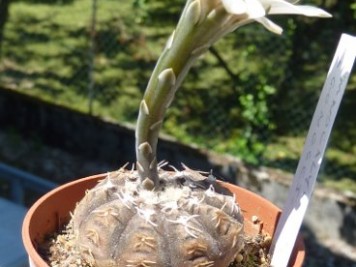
[(52, 211)]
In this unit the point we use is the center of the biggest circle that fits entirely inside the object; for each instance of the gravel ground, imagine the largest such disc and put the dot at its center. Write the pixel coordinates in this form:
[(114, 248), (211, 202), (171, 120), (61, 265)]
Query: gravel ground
[(29, 154)]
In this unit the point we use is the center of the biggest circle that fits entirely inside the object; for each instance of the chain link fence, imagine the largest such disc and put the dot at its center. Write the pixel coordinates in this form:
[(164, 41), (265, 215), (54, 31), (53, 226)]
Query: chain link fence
[(252, 95)]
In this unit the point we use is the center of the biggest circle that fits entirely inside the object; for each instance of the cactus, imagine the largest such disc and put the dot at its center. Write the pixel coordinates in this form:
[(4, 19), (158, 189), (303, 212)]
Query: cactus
[(119, 223), (152, 217)]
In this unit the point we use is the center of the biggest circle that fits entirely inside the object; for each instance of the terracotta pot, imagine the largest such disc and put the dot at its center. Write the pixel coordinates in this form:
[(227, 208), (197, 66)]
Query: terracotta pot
[(52, 210)]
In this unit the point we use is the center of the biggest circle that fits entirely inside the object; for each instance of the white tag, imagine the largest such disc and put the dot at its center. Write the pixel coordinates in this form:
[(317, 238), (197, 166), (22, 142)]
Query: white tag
[(313, 152)]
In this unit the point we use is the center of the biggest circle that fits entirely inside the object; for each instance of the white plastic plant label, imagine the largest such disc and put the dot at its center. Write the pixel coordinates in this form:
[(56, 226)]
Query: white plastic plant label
[(313, 152)]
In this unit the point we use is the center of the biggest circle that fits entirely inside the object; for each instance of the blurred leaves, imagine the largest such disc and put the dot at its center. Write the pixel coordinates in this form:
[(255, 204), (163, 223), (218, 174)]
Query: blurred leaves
[(256, 89)]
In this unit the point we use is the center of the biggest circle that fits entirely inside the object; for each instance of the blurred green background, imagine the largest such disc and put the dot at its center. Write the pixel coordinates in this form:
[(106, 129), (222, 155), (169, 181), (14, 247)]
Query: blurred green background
[(251, 96)]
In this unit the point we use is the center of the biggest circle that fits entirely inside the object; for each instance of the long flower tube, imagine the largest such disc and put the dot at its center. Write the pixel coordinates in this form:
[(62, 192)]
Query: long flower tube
[(202, 23)]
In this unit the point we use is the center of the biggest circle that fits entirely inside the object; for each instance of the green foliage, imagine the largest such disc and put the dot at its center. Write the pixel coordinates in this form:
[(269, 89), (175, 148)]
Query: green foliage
[(353, 7), (141, 8), (55, 2)]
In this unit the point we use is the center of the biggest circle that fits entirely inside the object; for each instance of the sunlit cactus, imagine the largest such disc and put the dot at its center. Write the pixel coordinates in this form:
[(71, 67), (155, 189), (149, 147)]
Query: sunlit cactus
[(119, 223), (148, 216)]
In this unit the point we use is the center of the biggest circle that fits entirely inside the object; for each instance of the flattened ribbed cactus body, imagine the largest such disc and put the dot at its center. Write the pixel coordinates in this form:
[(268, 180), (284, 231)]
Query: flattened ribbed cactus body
[(118, 223)]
